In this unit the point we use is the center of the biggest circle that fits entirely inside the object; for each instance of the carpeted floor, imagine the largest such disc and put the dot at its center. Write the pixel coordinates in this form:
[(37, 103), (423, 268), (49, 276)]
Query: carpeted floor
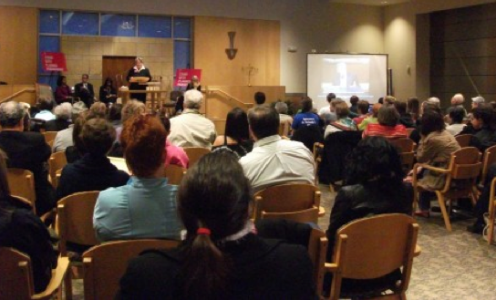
[(452, 266)]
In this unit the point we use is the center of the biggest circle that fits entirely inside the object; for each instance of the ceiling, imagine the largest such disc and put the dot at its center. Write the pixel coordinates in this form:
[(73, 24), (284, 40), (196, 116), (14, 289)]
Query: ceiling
[(371, 2)]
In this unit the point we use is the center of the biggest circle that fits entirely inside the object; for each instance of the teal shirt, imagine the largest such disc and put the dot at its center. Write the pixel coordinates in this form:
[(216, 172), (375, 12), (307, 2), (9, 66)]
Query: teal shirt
[(143, 208)]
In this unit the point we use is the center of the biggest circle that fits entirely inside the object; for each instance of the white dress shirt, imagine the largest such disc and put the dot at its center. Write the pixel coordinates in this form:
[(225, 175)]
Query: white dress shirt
[(276, 161), (191, 129)]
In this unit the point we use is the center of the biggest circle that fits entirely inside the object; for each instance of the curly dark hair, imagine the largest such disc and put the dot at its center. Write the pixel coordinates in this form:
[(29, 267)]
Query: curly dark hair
[(374, 159)]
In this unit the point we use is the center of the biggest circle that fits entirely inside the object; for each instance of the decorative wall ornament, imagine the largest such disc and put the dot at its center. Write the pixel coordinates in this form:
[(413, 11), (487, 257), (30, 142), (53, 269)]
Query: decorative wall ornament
[(231, 51)]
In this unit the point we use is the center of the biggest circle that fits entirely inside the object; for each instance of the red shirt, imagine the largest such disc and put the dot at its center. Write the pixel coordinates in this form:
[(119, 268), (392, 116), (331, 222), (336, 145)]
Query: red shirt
[(398, 131)]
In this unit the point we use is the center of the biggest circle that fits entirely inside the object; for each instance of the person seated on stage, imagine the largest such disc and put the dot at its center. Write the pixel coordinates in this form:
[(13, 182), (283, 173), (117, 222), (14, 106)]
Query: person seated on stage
[(326, 113), (99, 109), (373, 185), (363, 111), (237, 134), (63, 139), (343, 123), (26, 150), (191, 129), (46, 107), (372, 119), (174, 155), (405, 117), (259, 98), (306, 117), (63, 115), (146, 206), (22, 230), (84, 91), (455, 119), (222, 257), (108, 93), (94, 171), (194, 84), (273, 160), (63, 92), (388, 126)]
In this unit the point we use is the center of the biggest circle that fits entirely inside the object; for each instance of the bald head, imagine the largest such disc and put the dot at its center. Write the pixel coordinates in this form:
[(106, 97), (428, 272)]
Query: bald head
[(457, 99), (11, 114)]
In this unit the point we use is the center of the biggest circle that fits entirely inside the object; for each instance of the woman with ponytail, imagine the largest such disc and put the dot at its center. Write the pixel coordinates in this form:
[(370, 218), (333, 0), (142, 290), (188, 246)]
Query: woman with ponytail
[(221, 257)]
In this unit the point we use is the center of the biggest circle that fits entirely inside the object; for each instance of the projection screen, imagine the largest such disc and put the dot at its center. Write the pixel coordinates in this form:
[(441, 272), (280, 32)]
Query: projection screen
[(363, 75)]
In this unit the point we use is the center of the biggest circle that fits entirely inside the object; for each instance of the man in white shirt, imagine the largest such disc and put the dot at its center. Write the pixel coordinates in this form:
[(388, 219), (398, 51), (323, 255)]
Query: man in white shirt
[(191, 129), (326, 113), (273, 160)]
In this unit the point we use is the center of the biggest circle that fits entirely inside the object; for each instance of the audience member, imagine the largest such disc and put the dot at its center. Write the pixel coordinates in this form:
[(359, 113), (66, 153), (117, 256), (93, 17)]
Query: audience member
[(99, 109), (108, 93), (114, 115), (456, 101), (26, 150), (237, 134), (372, 119), (84, 91), (483, 124), (306, 117), (221, 257), (63, 115), (194, 84), (325, 112), (343, 123), (77, 150), (434, 101), (413, 108), (22, 230), (435, 148), (354, 105), (284, 118), (191, 129), (259, 98), (174, 155), (373, 185), (363, 110), (274, 160), (64, 139), (46, 107), (389, 100), (455, 119), (63, 92), (406, 118), (146, 206), (94, 171), (388, 126), (477, 101)]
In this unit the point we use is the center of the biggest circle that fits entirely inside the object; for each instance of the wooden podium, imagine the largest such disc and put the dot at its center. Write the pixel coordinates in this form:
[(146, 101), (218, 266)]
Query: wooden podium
[(155, 96)]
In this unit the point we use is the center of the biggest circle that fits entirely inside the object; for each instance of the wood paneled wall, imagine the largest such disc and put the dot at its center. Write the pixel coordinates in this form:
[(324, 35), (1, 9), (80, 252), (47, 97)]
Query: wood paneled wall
[(463, 41), (258, 44), (18, 44)]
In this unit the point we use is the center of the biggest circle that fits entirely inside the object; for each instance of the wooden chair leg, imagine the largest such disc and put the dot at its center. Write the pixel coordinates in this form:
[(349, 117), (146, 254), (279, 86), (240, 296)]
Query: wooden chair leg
[(490, 231), (442, 205), (68, 284)]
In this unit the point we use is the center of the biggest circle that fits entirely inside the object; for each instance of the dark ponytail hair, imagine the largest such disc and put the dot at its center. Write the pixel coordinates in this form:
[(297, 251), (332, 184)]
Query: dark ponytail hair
[(215, 195)]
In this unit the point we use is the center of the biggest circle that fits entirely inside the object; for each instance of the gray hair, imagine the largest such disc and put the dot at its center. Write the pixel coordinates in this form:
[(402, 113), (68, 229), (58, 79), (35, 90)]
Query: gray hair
[(11, 113), (63, 111), (281, 108), (193, 99), (459, 99)]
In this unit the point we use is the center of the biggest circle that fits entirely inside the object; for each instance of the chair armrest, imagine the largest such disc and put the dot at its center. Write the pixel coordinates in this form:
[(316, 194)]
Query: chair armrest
[(429, 167), (331, 267), (417, 251), (55, 283)]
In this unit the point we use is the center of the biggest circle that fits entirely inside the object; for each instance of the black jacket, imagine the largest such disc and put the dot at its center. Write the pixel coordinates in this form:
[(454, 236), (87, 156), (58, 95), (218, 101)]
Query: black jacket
[(260, 269), (86, 95)]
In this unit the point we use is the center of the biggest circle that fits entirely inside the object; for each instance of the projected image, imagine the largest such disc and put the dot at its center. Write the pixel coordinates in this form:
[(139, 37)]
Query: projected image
[(346, 75)]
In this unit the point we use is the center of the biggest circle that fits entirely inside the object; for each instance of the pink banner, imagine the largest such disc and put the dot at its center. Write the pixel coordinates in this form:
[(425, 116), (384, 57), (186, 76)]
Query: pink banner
[(183, 76), (53, 61)]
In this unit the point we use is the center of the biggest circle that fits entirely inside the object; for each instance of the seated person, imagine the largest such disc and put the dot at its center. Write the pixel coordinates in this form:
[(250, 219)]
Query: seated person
[(343, 123), (326, 113), (115, 114), (273, 160), (108, 93), (131, 109), (483, 123), (372, 119), (26, 150), (306, 117), (388, 126), (63, 115), (63, 92), (221, 257), (363, 111), (174, 155), (284, 118), (482, 205), (99, 109), (237, 134), (46, 107), (373, 186), (22, 230), (146, 206), (455, 120), (84, 91), (406, 118), (93, 172)]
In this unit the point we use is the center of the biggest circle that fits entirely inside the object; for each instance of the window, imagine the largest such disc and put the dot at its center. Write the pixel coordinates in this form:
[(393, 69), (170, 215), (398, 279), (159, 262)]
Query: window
[(182, 28), (50, 21), (118, 25), (79, 23), (156, 27)]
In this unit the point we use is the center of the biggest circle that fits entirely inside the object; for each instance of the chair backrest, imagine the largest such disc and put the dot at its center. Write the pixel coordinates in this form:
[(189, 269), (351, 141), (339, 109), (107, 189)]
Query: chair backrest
[(24, 201), (105, 264), (283, 129), (49, 135), (317, 250), (405, 148), (487, 161), (195, 153), (75, 214), (464, 140), (21, 183), (56, 162), (302, 216), (373, 247), (16, 280), (174, 174), (466, 163), (285, 198)]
